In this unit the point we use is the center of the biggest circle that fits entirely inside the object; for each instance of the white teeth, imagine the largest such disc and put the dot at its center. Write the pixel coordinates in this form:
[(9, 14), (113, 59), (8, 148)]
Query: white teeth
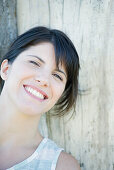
[(35, 93)]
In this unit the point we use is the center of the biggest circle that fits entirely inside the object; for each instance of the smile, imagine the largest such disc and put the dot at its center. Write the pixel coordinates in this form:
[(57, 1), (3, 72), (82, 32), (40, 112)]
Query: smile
[(35, 92)]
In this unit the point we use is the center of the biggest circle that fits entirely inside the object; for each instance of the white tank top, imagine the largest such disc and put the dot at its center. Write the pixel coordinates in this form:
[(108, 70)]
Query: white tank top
[(44, 158)]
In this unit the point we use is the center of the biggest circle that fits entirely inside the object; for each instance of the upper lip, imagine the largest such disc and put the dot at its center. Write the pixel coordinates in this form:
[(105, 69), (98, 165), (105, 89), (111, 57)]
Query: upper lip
[(38, 90)]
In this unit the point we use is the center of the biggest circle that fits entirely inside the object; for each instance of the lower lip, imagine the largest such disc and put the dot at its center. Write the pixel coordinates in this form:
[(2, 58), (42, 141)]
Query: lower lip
[(41, 100)]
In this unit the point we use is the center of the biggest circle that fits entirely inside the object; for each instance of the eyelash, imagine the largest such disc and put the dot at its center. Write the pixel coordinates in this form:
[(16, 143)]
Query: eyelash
[(59, 77), (35, 63)]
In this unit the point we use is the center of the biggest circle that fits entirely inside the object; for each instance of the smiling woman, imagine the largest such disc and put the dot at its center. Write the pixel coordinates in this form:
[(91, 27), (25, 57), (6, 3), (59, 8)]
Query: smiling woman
[(39, 71)]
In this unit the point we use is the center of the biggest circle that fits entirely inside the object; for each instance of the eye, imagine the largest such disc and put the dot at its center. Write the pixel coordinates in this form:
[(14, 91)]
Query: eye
[(58, 76), (35, 63)]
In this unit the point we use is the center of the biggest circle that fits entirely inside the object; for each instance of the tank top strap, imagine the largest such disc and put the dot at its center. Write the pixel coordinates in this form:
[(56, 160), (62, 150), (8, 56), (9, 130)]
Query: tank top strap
[(54, 162), (54, 151)]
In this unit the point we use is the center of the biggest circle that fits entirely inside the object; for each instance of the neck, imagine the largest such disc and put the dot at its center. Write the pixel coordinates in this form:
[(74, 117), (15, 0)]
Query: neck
[(17, 128)]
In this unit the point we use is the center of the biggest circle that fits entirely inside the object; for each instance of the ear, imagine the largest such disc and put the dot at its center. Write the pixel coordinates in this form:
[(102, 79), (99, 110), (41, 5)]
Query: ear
[(4, 69)]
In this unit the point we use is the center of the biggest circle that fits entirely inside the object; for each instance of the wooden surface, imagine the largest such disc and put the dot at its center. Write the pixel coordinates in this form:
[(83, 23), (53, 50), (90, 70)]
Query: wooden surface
[(8, 26), (89, 136)]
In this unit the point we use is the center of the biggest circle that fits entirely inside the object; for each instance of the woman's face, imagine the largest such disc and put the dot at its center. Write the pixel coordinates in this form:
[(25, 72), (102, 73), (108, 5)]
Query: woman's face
[(33, 82)]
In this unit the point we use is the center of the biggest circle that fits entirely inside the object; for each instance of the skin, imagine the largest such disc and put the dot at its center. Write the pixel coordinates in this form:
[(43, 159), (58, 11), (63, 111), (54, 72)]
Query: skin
[(19, 111)]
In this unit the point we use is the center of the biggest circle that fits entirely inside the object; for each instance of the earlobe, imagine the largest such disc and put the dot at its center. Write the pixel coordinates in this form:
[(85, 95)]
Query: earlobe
[(4, 69)]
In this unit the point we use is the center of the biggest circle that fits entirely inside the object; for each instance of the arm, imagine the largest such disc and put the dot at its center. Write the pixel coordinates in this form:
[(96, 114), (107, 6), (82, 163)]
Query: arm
[(67, 162)]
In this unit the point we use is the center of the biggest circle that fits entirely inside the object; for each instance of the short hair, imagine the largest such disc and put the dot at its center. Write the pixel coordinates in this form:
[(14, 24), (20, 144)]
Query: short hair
[(65, 52)]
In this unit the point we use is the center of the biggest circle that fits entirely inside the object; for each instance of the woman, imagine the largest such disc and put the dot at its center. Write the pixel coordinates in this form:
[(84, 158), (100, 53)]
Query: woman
[(39, 71)]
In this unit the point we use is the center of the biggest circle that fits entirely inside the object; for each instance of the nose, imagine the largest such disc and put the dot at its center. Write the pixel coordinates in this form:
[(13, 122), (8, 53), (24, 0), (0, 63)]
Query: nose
[(42, 81)]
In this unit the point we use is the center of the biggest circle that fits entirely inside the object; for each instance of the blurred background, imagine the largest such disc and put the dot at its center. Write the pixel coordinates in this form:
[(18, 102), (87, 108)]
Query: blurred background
[(89, 134)]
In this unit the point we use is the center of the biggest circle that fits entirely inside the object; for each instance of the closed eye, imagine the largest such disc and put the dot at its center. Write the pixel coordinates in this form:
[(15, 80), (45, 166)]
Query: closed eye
[(35, 63), (58, 76)]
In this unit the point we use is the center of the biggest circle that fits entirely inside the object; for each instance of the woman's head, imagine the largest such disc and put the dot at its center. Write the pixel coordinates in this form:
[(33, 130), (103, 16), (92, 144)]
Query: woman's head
[(65, 56)]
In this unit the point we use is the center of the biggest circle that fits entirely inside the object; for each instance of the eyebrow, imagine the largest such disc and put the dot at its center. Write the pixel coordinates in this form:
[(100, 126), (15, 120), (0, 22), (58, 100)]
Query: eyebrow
[(61, 72), (44, 63), (37, 58)]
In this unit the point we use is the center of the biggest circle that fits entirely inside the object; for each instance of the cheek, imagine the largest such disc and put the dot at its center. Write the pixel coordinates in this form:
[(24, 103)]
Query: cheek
[(16, 79), (21, 73), (58, 90)]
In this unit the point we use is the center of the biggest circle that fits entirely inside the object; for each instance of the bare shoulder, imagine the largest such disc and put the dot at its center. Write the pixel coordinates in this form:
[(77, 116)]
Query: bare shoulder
[(67, 162)]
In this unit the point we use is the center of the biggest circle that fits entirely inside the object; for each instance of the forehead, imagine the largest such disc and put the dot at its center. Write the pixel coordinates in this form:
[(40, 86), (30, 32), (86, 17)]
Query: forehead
[(44, 48)]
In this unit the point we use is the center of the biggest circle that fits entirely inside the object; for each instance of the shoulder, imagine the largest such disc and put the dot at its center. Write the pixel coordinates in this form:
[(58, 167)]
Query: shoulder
[(67, 162)]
